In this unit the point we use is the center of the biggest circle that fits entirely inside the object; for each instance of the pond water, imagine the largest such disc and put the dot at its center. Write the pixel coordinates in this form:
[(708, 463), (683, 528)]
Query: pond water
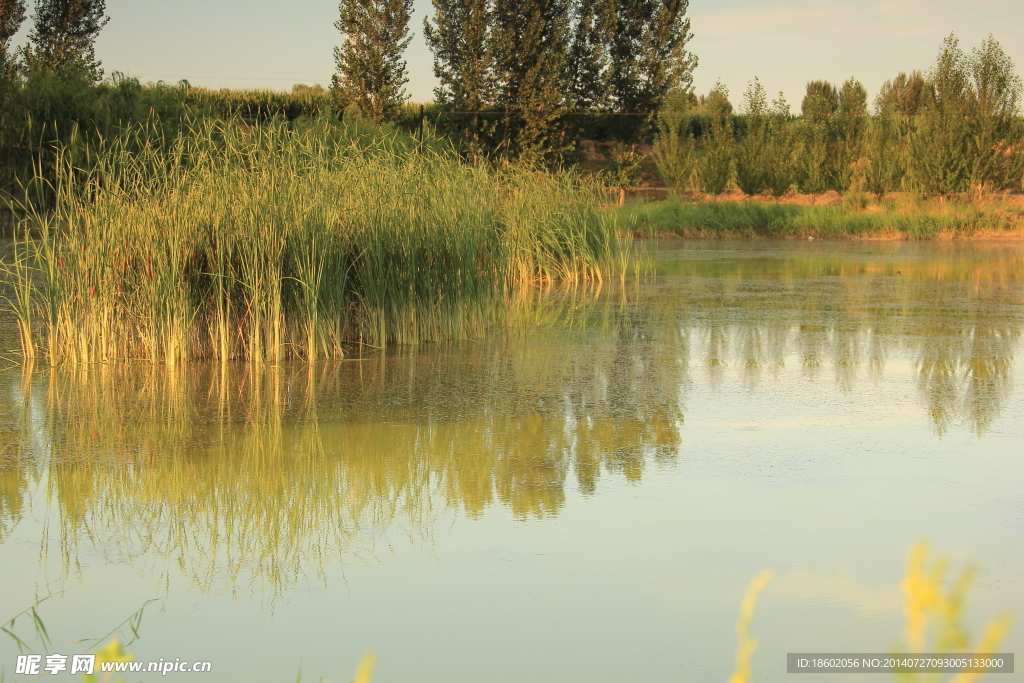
[(585, 498)]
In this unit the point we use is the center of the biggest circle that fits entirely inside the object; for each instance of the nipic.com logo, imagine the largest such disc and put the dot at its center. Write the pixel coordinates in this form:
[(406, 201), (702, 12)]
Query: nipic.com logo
[(36, 665), (55, 664)]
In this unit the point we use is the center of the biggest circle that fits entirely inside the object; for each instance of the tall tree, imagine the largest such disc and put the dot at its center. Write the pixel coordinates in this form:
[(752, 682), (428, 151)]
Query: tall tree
[(593, 25), (458, 37), (716, 102), (968, 134), (997, 86), (528, 44), (821, 100), (998, 156), (902, 95), (849, 128), (64, 35), (648, 55), (12, 13), (853, 99), (371, 70)]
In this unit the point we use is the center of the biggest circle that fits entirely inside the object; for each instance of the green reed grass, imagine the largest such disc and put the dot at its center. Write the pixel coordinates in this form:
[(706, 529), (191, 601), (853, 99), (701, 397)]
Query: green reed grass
[(264, 243), (907, 217)]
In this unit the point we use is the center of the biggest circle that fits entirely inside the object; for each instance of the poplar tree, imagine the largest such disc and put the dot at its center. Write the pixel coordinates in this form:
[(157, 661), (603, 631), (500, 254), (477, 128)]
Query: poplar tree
[(371, 70), (647, 53), (12, 13), (821, 100), (941, 146), (902, 95), (850, 126), (997, 161), (528, 44), (64, 34), (717, 166), (716, 102), (968, 134), (458, 37), (593, 25), (853, 99)]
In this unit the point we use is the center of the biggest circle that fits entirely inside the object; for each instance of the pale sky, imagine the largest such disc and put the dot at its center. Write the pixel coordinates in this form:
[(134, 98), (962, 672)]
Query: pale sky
[(274, 44)]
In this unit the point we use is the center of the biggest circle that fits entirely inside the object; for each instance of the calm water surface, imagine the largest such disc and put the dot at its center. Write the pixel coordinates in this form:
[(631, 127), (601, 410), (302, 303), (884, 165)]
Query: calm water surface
[(583, 500)]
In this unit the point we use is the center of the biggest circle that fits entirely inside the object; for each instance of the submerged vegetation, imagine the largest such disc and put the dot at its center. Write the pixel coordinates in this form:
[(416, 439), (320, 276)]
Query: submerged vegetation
[(272, 242)]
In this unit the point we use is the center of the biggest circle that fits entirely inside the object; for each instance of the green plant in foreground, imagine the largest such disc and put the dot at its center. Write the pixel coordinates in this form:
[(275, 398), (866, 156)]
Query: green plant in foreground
[(747, 646), (927, 601)]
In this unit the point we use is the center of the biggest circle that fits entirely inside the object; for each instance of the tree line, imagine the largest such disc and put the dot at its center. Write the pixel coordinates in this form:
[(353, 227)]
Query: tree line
[(531, 78), (513, 72), (519, 67), (952, 129)]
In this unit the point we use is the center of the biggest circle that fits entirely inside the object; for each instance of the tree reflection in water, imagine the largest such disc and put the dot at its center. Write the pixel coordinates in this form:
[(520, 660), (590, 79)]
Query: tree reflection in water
[(240, 476)]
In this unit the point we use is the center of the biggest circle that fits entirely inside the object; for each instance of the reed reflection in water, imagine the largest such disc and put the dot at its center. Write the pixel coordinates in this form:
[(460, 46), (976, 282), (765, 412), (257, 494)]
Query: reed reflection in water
[(240, 479)]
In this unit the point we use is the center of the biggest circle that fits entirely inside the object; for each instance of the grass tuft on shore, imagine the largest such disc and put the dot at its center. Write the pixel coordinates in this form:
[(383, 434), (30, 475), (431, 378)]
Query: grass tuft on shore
[(905, 217)]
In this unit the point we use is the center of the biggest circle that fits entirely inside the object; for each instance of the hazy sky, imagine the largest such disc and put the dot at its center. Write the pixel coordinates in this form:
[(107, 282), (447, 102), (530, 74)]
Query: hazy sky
[(274, 44)]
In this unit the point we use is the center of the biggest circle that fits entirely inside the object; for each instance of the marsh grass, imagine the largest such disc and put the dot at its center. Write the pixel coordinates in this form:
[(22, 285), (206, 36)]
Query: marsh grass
[(857, 216), (277, 242)]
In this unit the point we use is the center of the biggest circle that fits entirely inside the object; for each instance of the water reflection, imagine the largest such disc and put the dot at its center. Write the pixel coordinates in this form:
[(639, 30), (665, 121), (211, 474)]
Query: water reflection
[(240, 479), (958, 321), (237, 479)]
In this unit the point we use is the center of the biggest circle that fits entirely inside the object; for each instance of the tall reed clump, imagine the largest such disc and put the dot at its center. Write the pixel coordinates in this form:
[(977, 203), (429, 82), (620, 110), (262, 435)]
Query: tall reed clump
[(263, 243)]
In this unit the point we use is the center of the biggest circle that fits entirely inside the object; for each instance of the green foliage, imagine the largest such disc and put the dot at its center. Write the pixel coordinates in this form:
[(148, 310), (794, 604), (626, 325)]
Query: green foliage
[(910, 218), (752, 149), (47, 111), (593, 25), (901, 96), (849, 126), (716, 102), (853, 99), (969, 134), (524, 70), (821, 100), (717, 165), (811, 138), (648, 56), (675, 148), (887, 150), (624, 170), (371, 70), (12, 13), (528, 43), (276, 241), (458, 37), (957, 130), (64, 34), (764, 159)]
